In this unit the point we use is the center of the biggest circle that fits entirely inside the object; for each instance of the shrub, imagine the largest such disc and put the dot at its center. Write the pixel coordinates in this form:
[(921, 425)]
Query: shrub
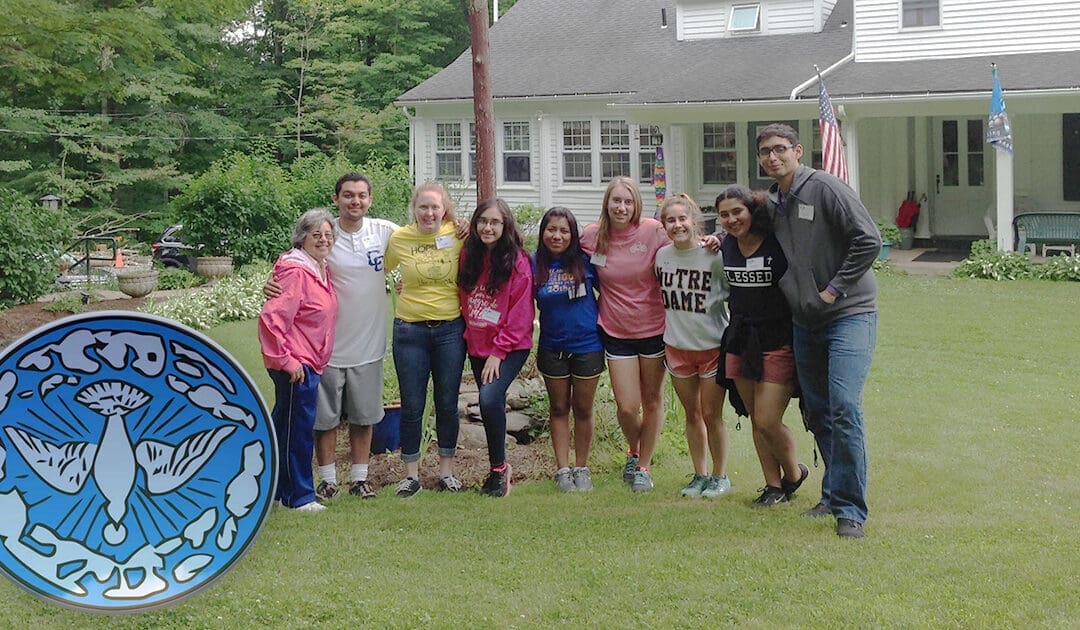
[(528, 219), (1060, 268), (233, 298), (988, 263), (32, 242), (176, 278), (240, 207), (312, 184)]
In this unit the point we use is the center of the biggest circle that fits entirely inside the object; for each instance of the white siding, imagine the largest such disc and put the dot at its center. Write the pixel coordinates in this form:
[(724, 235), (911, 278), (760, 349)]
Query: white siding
[(705, 19), (969, 28)]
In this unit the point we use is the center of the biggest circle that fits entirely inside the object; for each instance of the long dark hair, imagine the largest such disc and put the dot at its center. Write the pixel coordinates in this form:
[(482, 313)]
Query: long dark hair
[(571, 259), (755, 201), (504, 253)]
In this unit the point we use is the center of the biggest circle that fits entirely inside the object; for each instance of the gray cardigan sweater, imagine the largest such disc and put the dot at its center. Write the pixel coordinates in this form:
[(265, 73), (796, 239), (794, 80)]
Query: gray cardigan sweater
[(829, 239)]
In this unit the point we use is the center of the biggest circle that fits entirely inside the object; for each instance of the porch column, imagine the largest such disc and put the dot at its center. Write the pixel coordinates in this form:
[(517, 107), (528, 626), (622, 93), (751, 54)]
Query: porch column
[(1004, 166), (851, 126)]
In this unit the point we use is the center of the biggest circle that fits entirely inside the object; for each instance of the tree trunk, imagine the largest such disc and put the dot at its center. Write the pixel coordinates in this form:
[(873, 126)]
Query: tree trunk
[(482, 104)]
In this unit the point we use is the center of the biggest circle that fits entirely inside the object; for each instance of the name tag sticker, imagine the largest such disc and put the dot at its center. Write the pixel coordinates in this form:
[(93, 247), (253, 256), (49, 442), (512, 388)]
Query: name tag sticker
[(579, 292), (490, 315), (442, 242), (806, 211), (599, 260), (371, 241), (756, 262)]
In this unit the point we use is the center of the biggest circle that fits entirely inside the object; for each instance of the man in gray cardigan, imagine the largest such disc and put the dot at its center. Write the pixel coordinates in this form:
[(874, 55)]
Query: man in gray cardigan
[(830, 242)]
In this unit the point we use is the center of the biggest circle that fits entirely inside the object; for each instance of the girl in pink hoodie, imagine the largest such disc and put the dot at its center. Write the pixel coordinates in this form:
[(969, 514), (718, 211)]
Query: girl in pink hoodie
[(495, 286), (296, 332)]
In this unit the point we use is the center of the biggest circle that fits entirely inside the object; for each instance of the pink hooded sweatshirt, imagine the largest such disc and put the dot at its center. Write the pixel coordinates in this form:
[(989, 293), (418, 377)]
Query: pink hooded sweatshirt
[(297, 327), (496, 325)]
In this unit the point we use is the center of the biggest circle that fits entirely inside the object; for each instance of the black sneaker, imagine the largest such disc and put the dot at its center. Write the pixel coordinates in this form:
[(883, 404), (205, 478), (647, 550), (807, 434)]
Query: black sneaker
[(819, 510), (327, 490), (407, 487), (450, 483), (770, 496), (361, 489), (847, 528), (789, 487), (497, 484)]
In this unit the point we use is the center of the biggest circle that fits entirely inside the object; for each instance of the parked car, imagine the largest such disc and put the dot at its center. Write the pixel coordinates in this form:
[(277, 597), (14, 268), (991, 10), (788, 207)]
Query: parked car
[(172, 252)]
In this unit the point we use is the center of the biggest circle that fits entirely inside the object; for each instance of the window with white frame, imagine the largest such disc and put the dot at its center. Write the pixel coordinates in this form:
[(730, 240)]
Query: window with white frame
[(718, 157), (650, 139), (448, 150), (577, 151), (915, 13), (745, 18), (516, 156), (614, 149)]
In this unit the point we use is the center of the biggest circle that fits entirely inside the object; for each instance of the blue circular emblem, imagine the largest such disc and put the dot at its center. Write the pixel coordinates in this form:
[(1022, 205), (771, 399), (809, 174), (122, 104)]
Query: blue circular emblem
[(137, 461)]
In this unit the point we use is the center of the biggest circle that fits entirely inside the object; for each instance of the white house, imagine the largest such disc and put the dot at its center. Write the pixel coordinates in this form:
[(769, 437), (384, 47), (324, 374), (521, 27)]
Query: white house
[(587, 89)]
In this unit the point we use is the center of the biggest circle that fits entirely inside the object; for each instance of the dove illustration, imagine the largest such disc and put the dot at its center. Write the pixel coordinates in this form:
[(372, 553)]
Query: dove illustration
[(112, 461)]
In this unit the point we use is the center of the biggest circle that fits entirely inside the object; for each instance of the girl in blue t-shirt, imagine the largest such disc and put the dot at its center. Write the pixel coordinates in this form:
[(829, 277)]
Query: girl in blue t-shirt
[(569, 356)]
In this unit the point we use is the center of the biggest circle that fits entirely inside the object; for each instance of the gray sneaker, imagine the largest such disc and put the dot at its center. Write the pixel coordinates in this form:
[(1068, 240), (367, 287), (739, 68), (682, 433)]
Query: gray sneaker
[(629, 468), (715, 486), (642, 481), (696, 485), (582, 478), (407, 487), (819, 510), (563, 480), (450, 484)]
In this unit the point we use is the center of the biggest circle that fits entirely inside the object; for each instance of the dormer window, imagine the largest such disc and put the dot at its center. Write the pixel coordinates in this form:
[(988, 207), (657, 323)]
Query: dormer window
[(917, 13), (745, 18)]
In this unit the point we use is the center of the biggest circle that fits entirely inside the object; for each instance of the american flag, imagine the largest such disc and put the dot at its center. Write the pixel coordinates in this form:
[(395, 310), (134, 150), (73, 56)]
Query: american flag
[(832, 145)]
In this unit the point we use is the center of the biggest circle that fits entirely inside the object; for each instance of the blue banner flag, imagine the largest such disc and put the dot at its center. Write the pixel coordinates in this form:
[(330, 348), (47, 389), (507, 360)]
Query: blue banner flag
[(998, 132)]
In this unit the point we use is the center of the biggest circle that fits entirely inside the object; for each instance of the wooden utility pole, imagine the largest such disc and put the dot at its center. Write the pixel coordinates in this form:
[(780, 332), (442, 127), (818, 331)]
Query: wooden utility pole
[(483, 109)]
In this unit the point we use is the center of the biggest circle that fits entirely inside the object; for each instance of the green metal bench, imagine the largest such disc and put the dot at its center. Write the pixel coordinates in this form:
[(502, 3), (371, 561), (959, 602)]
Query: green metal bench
[(1053, 230)]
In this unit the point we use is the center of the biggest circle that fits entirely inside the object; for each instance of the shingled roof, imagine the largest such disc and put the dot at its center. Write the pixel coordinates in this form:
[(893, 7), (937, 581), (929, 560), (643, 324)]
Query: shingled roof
[(618, 48)]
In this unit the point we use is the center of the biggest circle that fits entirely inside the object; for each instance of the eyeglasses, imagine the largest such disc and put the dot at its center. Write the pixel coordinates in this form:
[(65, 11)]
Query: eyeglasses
[(779, 150), (321, 236), (489, 222)]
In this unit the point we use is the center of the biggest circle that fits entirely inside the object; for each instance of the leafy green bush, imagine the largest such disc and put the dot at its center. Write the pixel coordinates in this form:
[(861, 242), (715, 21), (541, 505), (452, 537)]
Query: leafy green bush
[(176, 278), (233, 298), (889, 232), (1060, 268), (32, 242), (528, 219), (988, 263), (313, 178), (241, 207)]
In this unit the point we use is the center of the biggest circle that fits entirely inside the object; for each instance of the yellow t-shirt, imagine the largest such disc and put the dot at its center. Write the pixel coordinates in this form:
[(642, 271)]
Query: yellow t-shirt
[(429, 267)]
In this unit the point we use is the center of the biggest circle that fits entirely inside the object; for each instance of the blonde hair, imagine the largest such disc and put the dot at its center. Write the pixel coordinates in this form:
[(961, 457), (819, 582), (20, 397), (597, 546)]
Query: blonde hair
[(436, 187), (604, 233), (692, 209)]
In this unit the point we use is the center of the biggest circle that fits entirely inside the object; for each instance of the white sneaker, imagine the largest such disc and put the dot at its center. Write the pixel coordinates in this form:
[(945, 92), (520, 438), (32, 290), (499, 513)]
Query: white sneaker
[(314, 506)]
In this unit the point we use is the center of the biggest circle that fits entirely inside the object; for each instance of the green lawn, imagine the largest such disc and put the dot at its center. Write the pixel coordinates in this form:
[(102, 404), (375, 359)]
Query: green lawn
[(975, 505)]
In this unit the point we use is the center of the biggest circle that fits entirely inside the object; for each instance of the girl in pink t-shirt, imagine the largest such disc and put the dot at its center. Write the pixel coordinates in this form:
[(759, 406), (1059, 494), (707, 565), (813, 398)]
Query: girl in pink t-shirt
[(623, 247)]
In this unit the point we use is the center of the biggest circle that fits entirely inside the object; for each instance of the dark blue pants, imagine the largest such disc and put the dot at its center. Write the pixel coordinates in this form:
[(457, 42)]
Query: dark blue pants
[(294, 423)]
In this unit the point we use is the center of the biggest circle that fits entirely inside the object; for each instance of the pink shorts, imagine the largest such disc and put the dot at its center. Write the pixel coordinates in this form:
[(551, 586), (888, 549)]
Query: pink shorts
[(687, 363), (779, 366)]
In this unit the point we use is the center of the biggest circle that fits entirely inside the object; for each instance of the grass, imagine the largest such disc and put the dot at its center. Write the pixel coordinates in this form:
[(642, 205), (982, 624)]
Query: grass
[(974, 496)]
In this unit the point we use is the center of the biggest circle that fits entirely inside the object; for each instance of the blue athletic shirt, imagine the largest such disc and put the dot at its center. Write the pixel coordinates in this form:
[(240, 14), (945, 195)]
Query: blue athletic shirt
[(567, 312)]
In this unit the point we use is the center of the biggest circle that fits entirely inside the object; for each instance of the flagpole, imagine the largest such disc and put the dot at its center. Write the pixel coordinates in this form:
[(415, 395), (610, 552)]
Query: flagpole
[(1000, 135)]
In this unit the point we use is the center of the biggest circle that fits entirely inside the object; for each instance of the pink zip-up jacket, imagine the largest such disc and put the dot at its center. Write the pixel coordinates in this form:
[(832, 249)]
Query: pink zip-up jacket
[(297, 327), (496, 325)]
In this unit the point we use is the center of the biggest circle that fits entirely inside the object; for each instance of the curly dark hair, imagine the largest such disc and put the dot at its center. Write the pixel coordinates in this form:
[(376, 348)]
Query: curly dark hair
[(504, 252), (571, 259), (756, 202)]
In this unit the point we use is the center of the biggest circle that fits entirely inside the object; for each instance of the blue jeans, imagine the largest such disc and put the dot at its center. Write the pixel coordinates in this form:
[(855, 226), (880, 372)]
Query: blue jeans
[(422, 349), (833, 363), (493, 401), (294, 424)]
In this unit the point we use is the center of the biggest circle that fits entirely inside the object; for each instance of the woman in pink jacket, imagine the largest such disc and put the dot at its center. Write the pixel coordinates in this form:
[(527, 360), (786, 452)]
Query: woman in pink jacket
[(296, 332), (495, 286)]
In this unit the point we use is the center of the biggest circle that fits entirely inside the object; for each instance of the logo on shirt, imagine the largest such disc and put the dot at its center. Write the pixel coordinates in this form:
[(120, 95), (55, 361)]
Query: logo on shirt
[(137, 462)]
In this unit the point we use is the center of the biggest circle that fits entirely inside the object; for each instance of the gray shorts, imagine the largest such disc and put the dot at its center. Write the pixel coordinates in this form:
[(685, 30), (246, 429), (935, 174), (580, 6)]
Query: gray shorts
[(352, 395)]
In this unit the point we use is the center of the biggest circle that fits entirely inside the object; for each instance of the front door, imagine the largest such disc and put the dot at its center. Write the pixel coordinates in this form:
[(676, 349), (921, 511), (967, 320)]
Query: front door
[(962, 178)]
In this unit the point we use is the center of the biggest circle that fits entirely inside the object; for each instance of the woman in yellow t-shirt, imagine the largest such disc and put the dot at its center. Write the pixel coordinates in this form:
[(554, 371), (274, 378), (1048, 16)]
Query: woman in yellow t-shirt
[(428, 330)]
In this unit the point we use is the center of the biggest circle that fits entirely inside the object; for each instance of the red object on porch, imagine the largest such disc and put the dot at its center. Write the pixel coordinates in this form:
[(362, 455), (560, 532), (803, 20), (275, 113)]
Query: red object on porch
[(908, 213)]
